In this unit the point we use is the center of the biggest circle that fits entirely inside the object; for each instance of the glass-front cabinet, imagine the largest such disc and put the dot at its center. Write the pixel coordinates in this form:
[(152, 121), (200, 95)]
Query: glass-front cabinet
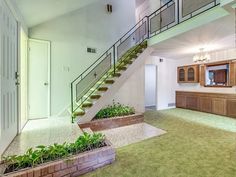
[(191, 74), (188, 74), (181, 74)]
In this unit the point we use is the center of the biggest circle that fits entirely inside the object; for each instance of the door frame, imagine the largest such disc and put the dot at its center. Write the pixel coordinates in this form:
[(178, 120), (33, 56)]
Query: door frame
[(156, 85), (49, 69)]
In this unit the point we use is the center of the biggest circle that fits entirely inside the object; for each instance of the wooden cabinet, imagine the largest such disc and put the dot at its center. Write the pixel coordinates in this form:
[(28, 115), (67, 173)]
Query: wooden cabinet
[(188, 74), (181, 74), (220, 76), (231, 108), (219, 106), (192, 102), (180, 101), (224, 76), (202, 75), (205, 104), (215, 103), (232, 73)]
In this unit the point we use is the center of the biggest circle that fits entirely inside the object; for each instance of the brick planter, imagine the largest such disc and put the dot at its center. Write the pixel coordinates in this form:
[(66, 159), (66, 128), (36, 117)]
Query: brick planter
[(109, 123), (71, 167)]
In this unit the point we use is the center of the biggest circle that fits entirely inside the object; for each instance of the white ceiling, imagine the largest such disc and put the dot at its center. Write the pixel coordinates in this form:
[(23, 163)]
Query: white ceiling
[(218, 35), (38, 11)]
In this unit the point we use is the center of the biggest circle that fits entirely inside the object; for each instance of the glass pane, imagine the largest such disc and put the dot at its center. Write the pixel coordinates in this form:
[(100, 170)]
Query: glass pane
[(93, 77), (189, 6), (168, 16), (155, 23), (191, 74), (136, 37), (181, 75)]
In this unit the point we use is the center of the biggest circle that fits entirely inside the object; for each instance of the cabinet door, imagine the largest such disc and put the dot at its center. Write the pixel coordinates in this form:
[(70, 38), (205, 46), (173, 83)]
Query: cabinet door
[(205, 104), (219, 106), (232, 73), (180, 101), (192, 102), (191, 74), (231, 108), (202, 75), (181, 74)]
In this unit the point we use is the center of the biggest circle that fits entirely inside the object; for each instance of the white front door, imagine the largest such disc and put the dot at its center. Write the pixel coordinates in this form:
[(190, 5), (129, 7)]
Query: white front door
[(39, 79), (8, 69)]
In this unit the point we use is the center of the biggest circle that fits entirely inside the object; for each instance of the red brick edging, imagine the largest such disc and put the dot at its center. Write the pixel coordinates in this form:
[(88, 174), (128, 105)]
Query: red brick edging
[(71, 167), (103, 124)]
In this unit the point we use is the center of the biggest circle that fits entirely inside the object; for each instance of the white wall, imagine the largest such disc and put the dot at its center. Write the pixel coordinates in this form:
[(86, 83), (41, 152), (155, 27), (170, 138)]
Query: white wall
[(132, 92), (166, 78), (147, 8), (71, 34), (150, 85), (17, 14)]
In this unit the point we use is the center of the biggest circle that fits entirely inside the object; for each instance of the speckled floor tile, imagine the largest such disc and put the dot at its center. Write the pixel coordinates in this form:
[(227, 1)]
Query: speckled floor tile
[(123, 136), (44, 132)]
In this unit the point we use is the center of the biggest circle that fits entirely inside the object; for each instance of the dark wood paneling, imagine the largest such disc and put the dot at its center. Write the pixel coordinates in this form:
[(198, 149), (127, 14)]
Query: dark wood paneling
[(205, 104), (219, 106), (231, 108), (220, 76), (192, 102)]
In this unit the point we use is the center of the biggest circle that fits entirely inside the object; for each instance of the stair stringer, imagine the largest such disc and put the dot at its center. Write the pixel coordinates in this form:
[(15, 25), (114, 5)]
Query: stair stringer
[(119, 82)]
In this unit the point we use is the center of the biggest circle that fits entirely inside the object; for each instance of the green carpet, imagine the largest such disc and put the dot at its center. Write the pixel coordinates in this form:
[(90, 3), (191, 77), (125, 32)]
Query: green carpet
[(215, 121), (189, 149)]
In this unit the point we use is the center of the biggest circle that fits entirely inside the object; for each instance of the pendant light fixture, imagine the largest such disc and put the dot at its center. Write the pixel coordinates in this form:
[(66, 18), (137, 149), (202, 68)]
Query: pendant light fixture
[(202, 56)]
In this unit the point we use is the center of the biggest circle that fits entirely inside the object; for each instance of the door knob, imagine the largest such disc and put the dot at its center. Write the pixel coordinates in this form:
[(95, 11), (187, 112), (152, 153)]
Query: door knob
[(46, 84)]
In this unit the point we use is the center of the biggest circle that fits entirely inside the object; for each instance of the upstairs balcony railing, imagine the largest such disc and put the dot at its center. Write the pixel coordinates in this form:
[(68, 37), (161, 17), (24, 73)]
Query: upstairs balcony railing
[(167, 16)]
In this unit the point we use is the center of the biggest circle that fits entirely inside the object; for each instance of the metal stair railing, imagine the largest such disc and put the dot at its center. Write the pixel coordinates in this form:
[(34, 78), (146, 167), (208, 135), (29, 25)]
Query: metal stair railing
[(167, 16)]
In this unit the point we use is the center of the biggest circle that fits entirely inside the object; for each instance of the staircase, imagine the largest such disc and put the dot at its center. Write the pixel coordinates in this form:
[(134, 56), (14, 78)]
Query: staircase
[(90, 87), (104, 83)]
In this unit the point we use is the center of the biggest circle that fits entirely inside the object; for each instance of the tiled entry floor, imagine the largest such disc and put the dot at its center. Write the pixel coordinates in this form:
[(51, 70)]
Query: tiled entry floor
[(123, 136), (60, 130), (44, 132)]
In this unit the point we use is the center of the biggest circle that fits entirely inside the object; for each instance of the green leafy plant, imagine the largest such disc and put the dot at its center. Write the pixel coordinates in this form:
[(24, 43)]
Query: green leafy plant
[(115, 110), (43, 154)]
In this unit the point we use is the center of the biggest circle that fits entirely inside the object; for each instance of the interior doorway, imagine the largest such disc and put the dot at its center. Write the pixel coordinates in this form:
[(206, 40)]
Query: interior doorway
[(39, 79), (151, 87), (23, 70)]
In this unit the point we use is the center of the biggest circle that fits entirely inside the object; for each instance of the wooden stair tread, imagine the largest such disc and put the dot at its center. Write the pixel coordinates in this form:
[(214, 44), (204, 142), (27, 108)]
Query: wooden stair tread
[(95, 97), (79, 113), (109, 81), (102, 88), (116, 75), (87, 105), (121, 68)]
